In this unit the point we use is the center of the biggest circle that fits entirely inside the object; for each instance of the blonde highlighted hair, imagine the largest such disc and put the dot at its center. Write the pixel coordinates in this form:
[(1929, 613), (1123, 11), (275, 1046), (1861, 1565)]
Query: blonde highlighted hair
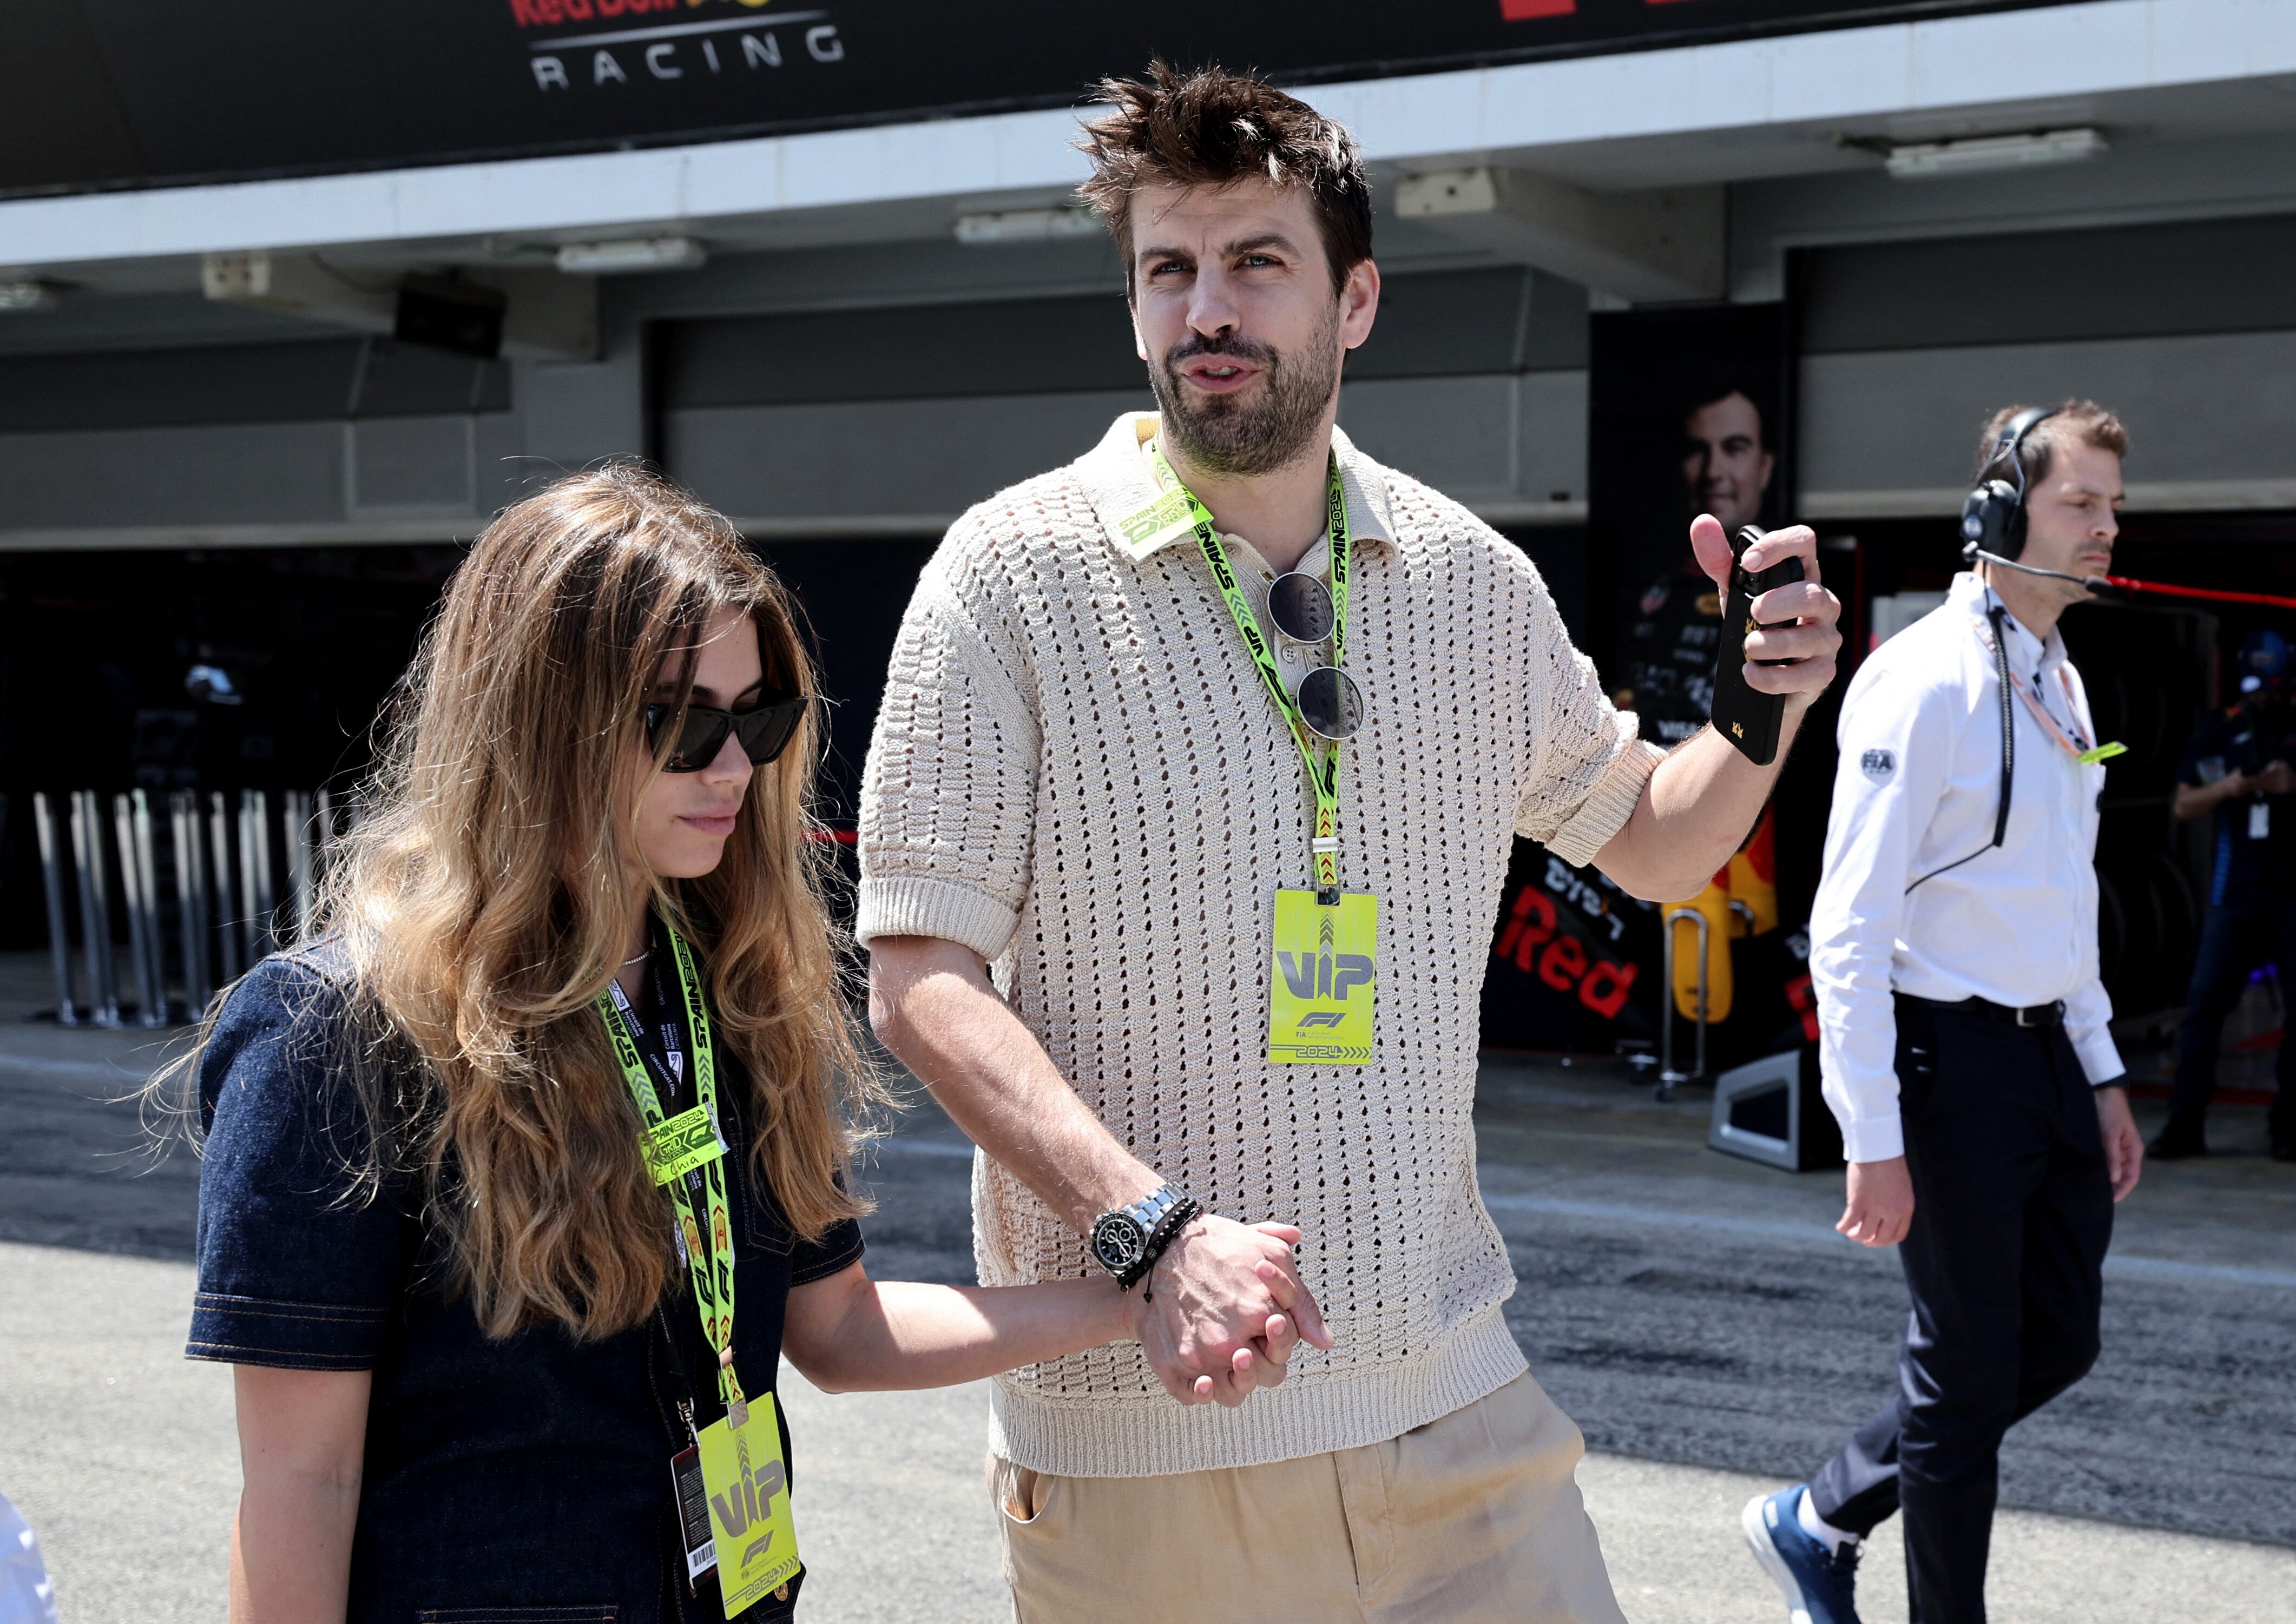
[(482, 906)]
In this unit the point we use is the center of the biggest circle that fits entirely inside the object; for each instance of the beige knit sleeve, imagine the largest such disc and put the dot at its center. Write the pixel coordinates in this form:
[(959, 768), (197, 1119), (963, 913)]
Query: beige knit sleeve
[(947, 796), (1587, 763)]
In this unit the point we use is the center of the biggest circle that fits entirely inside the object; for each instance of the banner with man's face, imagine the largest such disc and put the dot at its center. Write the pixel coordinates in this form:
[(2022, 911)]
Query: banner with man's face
[(1688, 414), (1689, 411)]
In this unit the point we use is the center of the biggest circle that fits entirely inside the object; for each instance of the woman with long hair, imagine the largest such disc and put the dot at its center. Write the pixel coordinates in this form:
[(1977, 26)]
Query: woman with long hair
[(525, 1167)]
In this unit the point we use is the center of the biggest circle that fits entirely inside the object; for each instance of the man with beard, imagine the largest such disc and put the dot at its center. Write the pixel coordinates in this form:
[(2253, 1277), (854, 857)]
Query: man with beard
[(1174, 985), (1726, 471)]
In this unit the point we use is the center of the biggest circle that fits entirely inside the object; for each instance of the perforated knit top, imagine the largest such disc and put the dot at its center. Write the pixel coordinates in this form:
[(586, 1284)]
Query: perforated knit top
[(1076, 774)]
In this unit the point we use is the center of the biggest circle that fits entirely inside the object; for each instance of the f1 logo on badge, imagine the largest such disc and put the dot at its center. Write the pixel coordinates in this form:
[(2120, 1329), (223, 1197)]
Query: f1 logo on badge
[(1320, 1017)]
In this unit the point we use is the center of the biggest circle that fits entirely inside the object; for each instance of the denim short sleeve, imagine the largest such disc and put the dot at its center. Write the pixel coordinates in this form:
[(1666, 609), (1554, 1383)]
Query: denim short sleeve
[(837, 1247), (299, 1267)]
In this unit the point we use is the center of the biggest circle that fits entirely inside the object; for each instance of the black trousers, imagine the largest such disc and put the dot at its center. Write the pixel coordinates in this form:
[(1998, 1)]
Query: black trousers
[(2239, 933), (2013, 1209)]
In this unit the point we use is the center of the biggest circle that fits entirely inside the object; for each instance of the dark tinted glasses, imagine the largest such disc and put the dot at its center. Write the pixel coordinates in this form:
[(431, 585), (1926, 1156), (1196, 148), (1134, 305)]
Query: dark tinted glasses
[(1301, 607), (763, 730)]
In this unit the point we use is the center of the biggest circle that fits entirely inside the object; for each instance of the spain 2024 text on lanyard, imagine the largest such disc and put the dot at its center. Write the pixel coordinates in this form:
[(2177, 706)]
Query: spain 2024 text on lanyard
[(1324, 941)]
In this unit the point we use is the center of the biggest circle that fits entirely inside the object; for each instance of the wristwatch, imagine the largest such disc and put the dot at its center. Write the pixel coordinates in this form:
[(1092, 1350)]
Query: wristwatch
[(1128, 1241)]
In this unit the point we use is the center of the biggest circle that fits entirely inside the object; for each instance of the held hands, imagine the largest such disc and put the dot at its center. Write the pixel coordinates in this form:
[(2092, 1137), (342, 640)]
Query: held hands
[(1814, 639), (2276, 779), (1228, 1308), (1881, 1205)]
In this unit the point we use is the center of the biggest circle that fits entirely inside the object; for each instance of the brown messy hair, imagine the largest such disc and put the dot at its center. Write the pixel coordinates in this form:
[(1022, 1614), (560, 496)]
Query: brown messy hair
[(2076, 422), (1213, 128), (481, 905)]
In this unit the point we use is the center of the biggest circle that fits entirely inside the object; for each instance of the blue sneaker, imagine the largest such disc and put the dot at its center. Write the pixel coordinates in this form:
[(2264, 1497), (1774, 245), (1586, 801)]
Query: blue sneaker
[(1819, 1588)]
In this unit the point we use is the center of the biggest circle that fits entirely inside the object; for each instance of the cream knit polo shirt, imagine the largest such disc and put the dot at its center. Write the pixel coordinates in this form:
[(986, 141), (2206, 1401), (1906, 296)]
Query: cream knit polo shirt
[(1076, 774)]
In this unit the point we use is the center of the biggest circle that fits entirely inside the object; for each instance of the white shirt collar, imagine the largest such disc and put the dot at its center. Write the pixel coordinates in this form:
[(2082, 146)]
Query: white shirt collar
[(1116, 478), (2026, 651)]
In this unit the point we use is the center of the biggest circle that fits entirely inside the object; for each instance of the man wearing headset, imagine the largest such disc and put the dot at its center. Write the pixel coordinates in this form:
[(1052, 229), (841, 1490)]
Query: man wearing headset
[(1962, 1042)]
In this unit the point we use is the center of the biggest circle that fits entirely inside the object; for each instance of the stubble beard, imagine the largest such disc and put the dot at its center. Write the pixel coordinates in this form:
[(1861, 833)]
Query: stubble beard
[(1226, 434)]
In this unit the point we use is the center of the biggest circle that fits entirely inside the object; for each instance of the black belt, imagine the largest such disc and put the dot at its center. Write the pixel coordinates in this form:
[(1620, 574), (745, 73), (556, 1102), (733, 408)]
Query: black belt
[(1986, 1010)]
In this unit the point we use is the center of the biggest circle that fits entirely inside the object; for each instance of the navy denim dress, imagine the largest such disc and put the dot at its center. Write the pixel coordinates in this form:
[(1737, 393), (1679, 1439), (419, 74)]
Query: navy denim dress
[(520, 1482)]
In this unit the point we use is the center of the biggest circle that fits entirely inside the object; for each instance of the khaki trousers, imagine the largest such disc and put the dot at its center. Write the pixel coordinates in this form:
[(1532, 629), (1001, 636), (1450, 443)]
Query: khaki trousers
[(1474, 1517)]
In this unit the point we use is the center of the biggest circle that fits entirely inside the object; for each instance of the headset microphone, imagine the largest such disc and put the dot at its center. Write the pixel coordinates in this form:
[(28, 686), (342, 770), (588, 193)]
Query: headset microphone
[(2099, 584)]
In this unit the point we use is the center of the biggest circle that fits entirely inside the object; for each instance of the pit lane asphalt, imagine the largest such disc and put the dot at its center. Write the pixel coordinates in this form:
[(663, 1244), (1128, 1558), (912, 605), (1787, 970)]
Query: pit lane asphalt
[(1693, 1313)]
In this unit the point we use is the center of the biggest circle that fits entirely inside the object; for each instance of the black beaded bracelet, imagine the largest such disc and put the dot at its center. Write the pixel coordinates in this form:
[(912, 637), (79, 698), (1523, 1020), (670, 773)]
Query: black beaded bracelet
[(1161, 1236)]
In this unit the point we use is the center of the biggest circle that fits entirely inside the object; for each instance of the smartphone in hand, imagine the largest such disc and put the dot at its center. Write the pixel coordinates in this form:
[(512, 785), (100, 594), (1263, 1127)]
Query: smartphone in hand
[(1750, 720)]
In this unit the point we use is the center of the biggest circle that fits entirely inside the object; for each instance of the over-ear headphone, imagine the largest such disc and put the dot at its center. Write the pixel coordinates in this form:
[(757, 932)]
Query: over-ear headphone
[(1993, 515)]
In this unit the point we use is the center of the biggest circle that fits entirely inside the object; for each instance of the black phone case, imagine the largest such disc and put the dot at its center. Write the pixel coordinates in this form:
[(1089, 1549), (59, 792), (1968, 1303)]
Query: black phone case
[(1746, 718)]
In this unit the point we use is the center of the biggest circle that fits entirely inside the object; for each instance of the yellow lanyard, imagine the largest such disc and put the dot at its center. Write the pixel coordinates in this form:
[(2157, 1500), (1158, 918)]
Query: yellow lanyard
[(1324, 776), (683, 1145)]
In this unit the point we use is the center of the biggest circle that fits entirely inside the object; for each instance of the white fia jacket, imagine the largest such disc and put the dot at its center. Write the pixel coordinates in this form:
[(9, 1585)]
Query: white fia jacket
[(1918, 788)]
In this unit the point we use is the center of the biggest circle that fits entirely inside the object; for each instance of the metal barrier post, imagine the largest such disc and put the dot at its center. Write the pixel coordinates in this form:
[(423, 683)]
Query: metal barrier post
[(219, 847), (155, 936), (257, 898), (94, 905), (191, 896), (148, 996), (295, 825), (51, 879), (1668, 1077)]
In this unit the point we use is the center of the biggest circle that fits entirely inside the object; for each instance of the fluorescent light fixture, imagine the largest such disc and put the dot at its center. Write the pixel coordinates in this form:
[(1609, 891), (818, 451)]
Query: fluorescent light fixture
[(631, 254), (1026, 225), (1980, 153), (26, 293), (1448, 192)]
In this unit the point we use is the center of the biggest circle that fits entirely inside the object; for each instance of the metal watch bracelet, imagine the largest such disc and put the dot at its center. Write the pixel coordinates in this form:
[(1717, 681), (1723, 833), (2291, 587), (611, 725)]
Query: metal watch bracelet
[(1127, 1240), (1160, 1240)]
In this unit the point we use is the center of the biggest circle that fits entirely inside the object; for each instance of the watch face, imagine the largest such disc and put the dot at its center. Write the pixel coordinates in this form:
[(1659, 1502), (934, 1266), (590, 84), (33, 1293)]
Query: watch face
[(1118, 1241)]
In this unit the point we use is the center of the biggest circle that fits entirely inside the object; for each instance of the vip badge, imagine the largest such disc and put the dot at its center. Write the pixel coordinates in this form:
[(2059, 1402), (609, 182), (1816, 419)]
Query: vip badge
[(1322, 979)]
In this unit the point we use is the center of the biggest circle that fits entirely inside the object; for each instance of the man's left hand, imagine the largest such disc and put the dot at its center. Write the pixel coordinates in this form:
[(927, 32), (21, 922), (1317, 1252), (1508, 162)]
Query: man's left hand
[(1811, 640), (2124, 1147)]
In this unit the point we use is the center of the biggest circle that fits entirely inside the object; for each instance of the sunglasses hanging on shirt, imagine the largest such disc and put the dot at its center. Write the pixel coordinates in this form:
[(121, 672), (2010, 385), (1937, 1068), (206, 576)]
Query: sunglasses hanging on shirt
[(1300, 606), (1331, 701), (763, 730)]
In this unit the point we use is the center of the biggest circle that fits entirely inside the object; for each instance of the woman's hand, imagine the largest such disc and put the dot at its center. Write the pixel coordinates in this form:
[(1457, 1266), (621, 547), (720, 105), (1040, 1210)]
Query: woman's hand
[(849, 1333), (302, 1446)]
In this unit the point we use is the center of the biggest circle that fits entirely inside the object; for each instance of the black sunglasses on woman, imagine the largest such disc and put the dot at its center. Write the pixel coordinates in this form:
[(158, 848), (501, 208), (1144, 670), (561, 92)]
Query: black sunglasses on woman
[(764, 730)]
